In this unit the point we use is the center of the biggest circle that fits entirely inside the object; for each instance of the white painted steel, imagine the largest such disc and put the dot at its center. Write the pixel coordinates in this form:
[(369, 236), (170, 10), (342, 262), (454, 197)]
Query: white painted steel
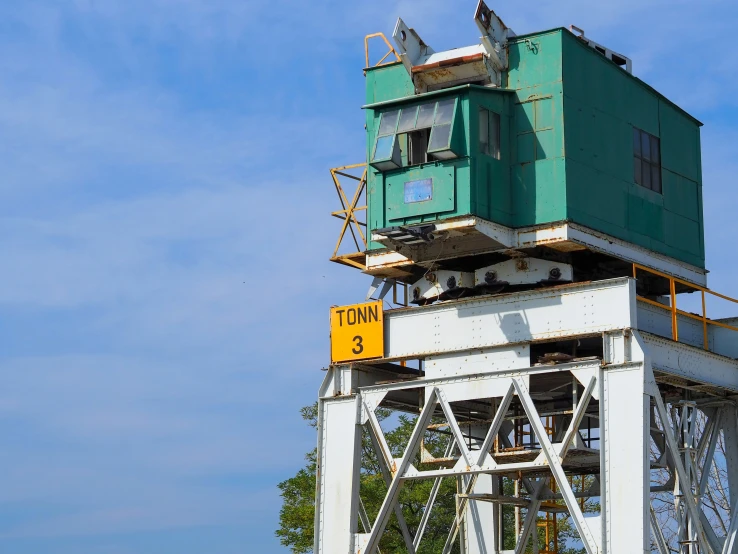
[(554, 464), (531, 517), (562, 236), (387, 465), (519, 271), (394, 487), (571, 310), (691, 363), (600, 242), (337, 491), (689, 500), (576, 419), (480, 349), (435, 283), (725, 341), (486, 360), (624, 412), (480, 531), (431, 501), (729, 424), (658, 322), (409, 44), (481, 517)]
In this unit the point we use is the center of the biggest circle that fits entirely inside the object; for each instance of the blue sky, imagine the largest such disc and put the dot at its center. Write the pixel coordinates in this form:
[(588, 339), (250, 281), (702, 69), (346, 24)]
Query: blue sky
[(164, 231)]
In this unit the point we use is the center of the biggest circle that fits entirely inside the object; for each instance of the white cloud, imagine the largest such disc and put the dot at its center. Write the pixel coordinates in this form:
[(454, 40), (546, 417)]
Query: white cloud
[(188, 239)]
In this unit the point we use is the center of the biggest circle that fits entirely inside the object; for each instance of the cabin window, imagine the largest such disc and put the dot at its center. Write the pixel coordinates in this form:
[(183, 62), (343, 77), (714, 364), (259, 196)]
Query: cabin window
[(489, 133), (415, 135), (646, 160), (387, 153)]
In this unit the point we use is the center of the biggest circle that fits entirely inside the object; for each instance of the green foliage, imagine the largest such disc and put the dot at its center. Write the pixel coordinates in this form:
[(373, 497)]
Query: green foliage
[(296, 518)]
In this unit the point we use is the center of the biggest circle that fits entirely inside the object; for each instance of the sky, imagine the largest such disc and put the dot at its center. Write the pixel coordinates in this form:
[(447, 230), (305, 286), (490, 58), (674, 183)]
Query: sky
[(165, 235)]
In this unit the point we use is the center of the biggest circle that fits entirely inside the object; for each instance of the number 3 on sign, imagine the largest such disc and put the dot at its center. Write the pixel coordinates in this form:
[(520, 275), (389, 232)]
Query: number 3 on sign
[(357, 332), (359, 346)]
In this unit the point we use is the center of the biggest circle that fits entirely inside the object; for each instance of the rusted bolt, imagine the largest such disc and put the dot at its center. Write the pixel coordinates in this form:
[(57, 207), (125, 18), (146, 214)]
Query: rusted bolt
[(431, 277), (521, 265), (490, 277), (451, 282), (554, 274)]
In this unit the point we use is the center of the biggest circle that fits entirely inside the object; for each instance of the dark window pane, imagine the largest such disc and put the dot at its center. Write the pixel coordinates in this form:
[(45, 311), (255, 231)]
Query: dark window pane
[(494, 135), (656, 178), (425, 116), (484, 131), (440, 137), (407, 119), (418, 146), (655, 150), (445, 111), (645, 146), (636, 142), (637, 170), (389, 122), (646, 175), (383, 150)]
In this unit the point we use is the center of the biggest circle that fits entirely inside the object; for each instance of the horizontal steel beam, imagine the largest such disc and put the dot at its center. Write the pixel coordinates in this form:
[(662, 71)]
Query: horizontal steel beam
[(691, 363), (537, 315)]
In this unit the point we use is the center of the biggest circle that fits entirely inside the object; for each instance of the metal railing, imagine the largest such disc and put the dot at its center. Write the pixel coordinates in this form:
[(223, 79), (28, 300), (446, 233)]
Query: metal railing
[(675, 311), (391, 50), (349, 209), (348, 214)]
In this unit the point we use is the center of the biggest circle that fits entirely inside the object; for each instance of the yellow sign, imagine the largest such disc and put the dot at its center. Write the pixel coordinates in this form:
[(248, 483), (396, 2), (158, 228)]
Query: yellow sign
[(357, 332)]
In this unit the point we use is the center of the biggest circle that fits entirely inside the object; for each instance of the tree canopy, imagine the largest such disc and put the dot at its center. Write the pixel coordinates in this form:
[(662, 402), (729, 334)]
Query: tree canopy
[(296, 518)]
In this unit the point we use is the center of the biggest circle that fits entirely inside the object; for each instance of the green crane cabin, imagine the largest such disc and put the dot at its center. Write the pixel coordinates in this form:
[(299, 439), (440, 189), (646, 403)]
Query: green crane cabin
[(541, 147)]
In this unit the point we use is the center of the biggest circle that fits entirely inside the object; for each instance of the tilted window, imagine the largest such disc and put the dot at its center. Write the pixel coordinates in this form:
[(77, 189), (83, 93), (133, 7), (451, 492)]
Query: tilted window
[(386, 153), (646, 160), (414, 135)]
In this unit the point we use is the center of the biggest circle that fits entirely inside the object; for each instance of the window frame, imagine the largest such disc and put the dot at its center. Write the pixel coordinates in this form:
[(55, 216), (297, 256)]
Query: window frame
[(491, 148), (393, 159), (441, 152), (647, 168)]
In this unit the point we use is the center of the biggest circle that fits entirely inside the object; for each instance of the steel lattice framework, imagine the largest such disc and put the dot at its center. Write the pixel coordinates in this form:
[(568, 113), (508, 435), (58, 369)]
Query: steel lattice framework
[(642, 405)]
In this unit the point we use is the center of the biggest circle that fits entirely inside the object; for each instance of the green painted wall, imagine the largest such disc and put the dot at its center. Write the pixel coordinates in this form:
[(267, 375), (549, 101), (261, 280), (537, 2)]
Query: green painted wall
[(452, 179), (602, 104), (537, 132), (567, 116), (491, 190)]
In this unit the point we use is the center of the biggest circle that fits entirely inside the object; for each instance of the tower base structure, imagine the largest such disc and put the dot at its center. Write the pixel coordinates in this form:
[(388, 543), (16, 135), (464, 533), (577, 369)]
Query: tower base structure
[(571, 401)]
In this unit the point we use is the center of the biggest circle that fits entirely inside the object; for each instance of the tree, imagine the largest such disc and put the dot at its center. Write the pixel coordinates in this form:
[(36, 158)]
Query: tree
[(296, 517)]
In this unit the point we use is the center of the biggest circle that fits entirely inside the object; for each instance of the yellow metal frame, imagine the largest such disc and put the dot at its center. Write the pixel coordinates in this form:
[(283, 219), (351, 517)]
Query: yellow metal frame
[(348, 213), (390, 51), (676, 311), (348, 210)]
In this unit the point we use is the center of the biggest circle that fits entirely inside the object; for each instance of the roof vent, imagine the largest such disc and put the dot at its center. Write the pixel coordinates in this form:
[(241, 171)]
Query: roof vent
[(623, 61)]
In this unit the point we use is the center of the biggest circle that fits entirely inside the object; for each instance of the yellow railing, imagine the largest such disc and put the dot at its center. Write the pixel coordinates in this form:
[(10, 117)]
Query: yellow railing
[(390, 51), (348, 214), (675, 311)]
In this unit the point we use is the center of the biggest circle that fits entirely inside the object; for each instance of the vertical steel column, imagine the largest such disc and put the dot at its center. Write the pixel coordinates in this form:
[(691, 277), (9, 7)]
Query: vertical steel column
[(729, 423), (481, 517), (625, 467), (337, 486)]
